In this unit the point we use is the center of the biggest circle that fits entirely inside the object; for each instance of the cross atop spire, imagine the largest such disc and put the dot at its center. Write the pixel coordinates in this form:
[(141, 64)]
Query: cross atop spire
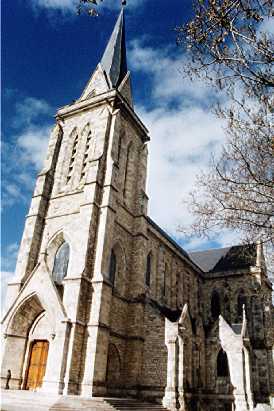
[(114, 60)]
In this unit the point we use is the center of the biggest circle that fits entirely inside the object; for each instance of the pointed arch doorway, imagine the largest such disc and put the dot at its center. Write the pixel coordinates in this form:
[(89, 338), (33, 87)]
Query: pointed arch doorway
[(37, 364)]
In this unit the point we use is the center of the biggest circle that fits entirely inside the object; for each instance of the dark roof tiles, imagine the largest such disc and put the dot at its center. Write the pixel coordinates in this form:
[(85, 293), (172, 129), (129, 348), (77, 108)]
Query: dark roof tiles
[(225, 259)]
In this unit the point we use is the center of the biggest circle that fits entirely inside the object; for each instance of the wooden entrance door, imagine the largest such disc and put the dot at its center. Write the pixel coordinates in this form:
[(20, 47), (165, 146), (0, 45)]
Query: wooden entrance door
[(37, 364)]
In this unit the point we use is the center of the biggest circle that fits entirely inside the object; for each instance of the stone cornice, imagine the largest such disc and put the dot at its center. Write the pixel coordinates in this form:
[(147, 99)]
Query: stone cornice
[(109, 97)]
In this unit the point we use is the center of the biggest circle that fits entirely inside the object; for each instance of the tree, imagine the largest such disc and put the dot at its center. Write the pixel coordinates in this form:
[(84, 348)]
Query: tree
[(230, 47)]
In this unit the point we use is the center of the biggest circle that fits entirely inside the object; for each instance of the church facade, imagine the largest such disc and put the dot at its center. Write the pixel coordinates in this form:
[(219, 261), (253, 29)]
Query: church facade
[(103, 301)]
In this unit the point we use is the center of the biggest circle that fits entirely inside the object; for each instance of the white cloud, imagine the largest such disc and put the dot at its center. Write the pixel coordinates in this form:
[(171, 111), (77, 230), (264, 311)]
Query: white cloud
[(64, 6), (181, 143), (24, 154), (69, 6), (184, 133), (30, 109), (33, 144), (8, 258), (165, 67), (5, 278)]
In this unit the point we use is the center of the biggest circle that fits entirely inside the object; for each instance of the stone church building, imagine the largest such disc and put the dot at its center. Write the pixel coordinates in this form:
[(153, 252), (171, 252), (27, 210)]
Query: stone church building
[(103, 301)]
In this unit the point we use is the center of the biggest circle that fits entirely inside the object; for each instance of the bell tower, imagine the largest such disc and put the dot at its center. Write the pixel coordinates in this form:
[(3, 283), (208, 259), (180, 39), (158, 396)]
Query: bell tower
[(84, 233)]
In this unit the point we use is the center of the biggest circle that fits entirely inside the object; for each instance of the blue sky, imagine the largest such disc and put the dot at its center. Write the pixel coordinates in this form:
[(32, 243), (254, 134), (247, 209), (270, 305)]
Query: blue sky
[(48, 55)]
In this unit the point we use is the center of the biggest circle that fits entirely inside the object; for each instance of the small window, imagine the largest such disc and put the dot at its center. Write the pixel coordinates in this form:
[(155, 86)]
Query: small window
[(148, 270), (215, 304), (61, 262), (112, 267), (222, 365)]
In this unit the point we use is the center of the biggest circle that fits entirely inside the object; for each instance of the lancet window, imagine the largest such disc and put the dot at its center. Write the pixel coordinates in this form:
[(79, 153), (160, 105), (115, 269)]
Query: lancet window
[(165, 280), (119, 149), (148, 270), (86, 155), (215, 304), (112, 267), (222, 364), (72, 159), (60, 266)]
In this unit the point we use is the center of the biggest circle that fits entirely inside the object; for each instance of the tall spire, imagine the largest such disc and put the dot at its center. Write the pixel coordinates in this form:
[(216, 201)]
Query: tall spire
[(114, 60), (112, 71)]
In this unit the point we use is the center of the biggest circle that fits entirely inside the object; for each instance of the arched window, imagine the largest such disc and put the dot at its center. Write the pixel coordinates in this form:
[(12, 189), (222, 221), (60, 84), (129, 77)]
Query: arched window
[(164, 280), (215, 304), (126, 168), (227, 307), (129, 174), (86, 155), (240, 302), (119, 149), (72, 159), (148, 270), (222, 364), (113, 366), (60, 266), (112, 267)]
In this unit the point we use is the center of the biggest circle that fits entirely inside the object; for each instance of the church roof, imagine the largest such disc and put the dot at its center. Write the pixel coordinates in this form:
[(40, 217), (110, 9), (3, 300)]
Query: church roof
[(225, 259), (114, 60)]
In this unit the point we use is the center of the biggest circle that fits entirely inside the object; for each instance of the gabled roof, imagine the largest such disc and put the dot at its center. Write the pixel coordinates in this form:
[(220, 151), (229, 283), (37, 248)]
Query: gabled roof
[(114, 60), (225, 259)]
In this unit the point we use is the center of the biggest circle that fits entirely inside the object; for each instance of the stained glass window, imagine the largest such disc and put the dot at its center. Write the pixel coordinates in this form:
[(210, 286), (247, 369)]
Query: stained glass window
[(61, 261)]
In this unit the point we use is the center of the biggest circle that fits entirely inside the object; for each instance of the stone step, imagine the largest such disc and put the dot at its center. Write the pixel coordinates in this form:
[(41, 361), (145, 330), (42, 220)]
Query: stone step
[(126, 404), (13, 400)]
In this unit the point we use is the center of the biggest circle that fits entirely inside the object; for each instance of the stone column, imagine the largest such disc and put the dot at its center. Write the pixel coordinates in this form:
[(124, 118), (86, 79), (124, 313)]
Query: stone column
[(181, 375), (248, 378), (236, 367), (232, 343), (170, 398), (55, 379)]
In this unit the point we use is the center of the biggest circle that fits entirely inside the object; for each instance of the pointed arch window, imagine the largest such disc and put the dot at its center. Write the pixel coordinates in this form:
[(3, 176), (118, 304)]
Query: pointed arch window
[(61, 262), (72, 159), (112, 267), (119, 148), (215, 304), (148, 270), (165, 280), (222, 364), (128, 171), (86, 155)]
